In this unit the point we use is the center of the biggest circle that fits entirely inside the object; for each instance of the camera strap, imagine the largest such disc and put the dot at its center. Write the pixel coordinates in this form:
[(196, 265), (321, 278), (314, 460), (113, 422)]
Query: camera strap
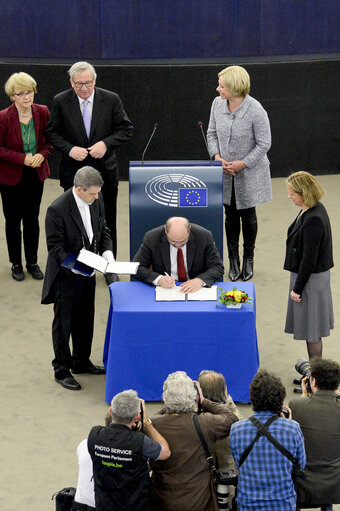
[(262, 430), (210, 459)]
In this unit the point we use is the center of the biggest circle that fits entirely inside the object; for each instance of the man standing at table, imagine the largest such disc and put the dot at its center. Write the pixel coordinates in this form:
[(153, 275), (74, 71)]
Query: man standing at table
[(86, 125), (179, 251), (73, 221)]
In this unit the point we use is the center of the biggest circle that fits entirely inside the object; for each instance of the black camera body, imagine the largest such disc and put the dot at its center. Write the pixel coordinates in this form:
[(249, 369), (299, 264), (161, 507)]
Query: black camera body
[(285, 412), (228, 477)]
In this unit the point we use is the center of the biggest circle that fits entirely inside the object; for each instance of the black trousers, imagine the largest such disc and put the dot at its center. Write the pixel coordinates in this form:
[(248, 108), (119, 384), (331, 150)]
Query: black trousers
[(110, 194), (233, 219), (21, 204), (73, 315), (76, 506)]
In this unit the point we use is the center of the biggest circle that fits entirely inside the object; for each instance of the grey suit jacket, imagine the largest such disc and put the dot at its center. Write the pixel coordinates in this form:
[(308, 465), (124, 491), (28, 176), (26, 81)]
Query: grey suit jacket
[(66, 129), (203, 259), (242, 135), (65, 234), (319, 419)]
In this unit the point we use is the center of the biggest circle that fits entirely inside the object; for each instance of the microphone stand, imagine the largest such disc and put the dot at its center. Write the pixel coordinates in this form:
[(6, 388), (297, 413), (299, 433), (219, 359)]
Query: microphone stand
[(147, 145), (200, 125)]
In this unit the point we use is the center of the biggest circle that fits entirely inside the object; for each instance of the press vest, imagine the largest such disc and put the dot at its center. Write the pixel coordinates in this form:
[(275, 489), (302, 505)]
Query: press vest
[(121, 476)]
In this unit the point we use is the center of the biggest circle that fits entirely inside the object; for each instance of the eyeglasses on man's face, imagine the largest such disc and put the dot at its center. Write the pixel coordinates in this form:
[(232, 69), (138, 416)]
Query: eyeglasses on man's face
[(79, 85), (177, 243), (24, 94)]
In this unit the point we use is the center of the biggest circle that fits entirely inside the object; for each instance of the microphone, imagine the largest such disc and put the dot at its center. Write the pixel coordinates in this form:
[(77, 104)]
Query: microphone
[(200, 125), (155, 126)]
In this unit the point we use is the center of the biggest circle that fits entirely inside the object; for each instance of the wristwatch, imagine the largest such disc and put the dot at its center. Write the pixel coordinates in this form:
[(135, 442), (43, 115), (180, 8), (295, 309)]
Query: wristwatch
[(147, 422)]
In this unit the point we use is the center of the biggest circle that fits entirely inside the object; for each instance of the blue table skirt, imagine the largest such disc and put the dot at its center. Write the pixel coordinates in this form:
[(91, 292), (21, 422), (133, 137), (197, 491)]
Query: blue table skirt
[(146, 340)]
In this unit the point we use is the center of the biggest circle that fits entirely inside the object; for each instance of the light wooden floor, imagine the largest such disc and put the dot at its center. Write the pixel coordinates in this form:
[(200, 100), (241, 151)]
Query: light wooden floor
[(42, 423)]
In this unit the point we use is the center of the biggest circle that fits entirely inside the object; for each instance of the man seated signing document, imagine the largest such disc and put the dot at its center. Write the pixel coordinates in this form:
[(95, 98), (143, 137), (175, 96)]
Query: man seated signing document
[(179, 251)]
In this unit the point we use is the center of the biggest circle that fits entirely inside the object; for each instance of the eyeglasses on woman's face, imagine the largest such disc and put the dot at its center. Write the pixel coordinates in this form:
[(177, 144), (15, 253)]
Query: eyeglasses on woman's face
[(24, 94)]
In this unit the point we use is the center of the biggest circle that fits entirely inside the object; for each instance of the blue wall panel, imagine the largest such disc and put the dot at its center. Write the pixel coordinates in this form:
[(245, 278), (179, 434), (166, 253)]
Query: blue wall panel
[(248, 28), (40, 28), (169, 29), (299, 27), (140, 29)]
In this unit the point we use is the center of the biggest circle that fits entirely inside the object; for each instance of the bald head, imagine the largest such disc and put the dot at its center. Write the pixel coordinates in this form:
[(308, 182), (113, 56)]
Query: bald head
[(177, 229)]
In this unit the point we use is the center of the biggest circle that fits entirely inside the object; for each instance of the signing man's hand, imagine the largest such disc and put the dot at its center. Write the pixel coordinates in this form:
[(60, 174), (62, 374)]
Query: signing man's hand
[(166, 281), (190, 286)]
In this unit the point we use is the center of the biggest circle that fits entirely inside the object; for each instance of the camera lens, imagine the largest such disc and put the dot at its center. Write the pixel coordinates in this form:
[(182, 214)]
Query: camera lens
[(222, 494), (302, 366)]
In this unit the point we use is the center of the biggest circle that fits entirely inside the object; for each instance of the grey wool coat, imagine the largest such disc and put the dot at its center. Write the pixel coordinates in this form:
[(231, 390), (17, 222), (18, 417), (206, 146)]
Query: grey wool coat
[(242, 135)]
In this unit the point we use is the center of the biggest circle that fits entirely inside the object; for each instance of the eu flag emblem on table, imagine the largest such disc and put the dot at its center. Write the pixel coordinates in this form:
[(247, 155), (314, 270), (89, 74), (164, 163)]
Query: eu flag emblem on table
[(193, 197)]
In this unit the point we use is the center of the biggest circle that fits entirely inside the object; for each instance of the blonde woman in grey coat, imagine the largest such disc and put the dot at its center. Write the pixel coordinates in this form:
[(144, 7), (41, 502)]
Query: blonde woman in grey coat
[(239, 136)]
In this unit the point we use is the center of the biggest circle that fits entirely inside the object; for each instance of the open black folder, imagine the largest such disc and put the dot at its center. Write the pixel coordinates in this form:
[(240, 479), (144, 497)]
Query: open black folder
[(85, 262)]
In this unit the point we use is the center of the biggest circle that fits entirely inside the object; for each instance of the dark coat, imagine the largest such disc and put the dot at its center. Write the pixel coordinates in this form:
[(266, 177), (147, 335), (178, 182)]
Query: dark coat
[(12, 154), (309, 245), (183, 481), (66, 130), (65, 234), (203, 259), (319, 418)]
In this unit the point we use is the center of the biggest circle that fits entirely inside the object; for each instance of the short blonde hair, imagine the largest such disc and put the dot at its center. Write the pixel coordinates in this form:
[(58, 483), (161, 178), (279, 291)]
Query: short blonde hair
[(306, 185), (236, 79), (22, 81)]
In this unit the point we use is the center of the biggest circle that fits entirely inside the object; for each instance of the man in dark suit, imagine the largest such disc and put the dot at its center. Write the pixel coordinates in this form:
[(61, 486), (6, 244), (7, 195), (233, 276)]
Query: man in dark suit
[(73, 221), (86, 125), (179, 251), (319, 419)]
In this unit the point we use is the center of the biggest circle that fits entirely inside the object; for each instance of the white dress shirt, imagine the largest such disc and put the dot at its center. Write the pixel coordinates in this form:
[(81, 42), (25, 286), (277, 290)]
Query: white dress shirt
[(84, 210)]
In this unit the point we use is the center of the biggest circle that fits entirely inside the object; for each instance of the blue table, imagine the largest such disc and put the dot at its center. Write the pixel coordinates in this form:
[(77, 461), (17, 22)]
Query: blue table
[(146, 340)]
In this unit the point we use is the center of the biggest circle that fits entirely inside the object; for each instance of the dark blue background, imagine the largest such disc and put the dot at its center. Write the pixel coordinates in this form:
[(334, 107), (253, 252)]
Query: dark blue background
[(142, 29)]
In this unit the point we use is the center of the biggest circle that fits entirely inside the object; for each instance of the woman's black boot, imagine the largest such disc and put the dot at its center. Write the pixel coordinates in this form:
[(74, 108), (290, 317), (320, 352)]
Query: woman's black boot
[(234, 269), (247, 268)]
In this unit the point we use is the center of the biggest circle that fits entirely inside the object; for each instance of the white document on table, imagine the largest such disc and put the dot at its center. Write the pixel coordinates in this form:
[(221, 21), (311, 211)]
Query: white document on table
[(99, 263), (174, 294)]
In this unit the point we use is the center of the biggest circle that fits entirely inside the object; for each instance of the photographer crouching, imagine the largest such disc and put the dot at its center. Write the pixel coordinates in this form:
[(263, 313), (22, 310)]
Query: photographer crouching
[(318, 414)]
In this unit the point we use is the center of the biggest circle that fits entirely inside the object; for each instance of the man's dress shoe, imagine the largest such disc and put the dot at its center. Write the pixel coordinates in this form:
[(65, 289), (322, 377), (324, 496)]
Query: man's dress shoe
[(92, 369), (69, 383), (110, 278), (17, 272), (35, 271)]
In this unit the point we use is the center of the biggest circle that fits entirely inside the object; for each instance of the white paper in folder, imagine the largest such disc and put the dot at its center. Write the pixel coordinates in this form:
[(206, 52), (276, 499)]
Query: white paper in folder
[(99, 263)]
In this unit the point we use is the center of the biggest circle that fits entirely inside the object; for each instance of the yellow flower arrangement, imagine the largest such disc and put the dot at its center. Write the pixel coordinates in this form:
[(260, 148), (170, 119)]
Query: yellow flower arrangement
[(233, 297)]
